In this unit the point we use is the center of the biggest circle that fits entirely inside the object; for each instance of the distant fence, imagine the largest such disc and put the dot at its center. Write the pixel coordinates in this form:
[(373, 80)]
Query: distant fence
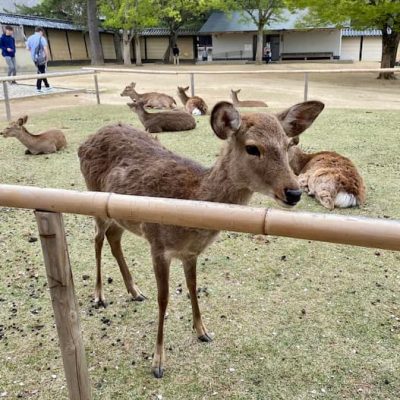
[(4, 81), (305, 72)]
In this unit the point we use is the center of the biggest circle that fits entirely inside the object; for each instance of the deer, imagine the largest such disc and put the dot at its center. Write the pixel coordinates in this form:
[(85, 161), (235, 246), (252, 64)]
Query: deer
[(150, 99), (245, 103), (328, 176), (46, 142), (121, 159), (194, 105), (166, 121)]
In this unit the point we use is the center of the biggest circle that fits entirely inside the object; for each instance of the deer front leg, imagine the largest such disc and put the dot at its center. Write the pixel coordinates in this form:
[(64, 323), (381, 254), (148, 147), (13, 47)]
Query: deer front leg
[(101, 227), (161, 270), (189, 266)]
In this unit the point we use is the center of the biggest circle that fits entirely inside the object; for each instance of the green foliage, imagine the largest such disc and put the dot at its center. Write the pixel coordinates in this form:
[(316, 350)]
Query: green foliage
[(129, 14)]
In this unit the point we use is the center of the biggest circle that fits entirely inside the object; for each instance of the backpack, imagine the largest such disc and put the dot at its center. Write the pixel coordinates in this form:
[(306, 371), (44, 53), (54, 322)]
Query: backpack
[(39, 55)]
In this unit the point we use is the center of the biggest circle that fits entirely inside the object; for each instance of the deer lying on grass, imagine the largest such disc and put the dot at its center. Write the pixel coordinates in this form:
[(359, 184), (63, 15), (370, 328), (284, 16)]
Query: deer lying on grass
[(122, 159), (194, 105), (245, 103), (330, 177), (45, 142), (150, 99), (166, 121)]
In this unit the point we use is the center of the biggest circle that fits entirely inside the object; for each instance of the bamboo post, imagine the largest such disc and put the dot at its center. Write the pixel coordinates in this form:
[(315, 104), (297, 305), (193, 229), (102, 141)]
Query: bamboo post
[(96, 86), (6, 101), (65, 305), (192, 83), (306, 86)]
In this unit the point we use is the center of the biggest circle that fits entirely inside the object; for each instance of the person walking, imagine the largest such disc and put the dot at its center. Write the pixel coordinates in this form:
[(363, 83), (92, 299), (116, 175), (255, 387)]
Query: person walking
[(7, 45), (37, 45), (175, 52)]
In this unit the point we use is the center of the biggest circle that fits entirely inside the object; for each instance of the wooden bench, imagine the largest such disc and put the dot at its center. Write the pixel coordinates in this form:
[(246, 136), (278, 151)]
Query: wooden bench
[(307, 56)]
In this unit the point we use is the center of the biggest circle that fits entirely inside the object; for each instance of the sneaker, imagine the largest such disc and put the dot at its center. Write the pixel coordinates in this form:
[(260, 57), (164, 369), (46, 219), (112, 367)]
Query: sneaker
[(39, 91), (48, 89)]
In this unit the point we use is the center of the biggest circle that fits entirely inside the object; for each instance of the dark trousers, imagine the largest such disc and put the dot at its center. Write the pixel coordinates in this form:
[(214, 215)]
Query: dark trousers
[(41, 69)]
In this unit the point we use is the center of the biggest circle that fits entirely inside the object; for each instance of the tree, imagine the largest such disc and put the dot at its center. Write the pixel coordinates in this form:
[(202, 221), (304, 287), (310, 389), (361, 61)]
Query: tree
[(96, 50), (131, 16), (379, 14)]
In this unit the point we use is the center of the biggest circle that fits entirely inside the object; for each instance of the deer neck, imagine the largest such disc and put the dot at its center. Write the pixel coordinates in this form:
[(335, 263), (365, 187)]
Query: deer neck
[(235, 99), (221, 183), (183, 96), (26, 138), (135, 95), (299, 159), (142, 114)]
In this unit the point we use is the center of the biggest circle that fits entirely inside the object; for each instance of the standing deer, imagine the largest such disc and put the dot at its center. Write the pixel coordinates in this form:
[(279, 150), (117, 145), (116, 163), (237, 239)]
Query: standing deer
[(165, 121), (245, 103), (330, 177), (122, 159), (45, 142), (150, 99), (194, 105)]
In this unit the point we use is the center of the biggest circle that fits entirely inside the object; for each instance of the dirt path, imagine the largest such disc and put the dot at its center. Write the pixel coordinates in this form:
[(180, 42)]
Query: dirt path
[(345, 90)]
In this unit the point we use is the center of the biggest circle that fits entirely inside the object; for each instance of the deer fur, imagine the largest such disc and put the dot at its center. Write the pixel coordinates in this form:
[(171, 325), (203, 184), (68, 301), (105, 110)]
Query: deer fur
[(150, 99), (245, 103), (332, 178), (45, 142), (166, 121), (122, 159), (193, 105)]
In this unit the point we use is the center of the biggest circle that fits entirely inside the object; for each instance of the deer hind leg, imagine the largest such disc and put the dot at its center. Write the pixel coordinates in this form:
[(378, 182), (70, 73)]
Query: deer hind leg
[(114, 234), (189, 266), (161, 270), (326, 199), (101, 227)]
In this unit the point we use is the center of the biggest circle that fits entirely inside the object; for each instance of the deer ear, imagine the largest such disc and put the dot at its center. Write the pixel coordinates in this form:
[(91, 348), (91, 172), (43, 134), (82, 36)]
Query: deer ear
[(186, 88), (297, 119), (225, 119), (237, 91), (21, 121)]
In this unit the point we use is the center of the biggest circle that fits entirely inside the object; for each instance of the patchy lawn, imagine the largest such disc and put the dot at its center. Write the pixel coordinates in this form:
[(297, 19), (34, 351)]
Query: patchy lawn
[(292, 319)]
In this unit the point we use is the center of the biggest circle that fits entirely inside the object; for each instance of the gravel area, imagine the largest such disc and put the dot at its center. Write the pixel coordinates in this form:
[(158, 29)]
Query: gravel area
[(24, 90)]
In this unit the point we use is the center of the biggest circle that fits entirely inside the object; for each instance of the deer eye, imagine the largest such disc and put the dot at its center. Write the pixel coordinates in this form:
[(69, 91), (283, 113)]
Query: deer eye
[(253, 151)]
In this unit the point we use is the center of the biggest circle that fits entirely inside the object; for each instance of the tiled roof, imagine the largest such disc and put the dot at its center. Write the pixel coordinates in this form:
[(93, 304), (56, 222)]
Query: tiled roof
[(348, 32), (165, 32)]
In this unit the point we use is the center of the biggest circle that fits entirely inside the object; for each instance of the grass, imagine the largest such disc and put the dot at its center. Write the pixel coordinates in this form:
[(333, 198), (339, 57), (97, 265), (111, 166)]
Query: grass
[(292, 319)]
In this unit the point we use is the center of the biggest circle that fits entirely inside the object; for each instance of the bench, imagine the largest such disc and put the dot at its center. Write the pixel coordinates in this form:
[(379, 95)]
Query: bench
[(307, 56)]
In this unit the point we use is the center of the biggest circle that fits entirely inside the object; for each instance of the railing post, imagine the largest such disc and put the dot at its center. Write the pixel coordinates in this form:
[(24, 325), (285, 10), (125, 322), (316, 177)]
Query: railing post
[(96, 86), (192, 82), (65, 305), (6, 101), (305, 86)]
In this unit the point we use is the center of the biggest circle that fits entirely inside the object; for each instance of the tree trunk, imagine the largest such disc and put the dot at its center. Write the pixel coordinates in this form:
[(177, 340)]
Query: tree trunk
[(173, 37), (126, 41), (259, 51), (96, 50), (138, 53), (118, 46), (390, 44)]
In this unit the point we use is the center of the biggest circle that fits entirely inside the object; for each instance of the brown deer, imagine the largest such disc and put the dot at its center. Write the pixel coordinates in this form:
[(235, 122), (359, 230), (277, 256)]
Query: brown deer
[(194, 105), (150, 99), (45, 142), (166, 121), (330, 177), (122, 159), (245, 103)]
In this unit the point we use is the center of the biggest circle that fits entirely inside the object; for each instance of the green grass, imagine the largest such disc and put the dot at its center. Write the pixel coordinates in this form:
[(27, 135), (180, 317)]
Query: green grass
[(292, 319)]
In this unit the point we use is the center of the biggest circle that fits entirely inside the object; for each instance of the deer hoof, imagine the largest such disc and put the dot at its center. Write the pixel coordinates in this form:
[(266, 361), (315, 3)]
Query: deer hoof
[(100, 303), (140, 297), (158, 372), (205, 338)]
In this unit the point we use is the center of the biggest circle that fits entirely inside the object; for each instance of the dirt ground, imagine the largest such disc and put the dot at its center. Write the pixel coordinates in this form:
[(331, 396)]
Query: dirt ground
[(341, 90)]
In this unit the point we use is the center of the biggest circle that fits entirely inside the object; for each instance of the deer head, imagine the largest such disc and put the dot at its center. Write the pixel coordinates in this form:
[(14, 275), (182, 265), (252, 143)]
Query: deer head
[(129, 90), (136, 105), (15, 128), (183, 90), (257, 147)]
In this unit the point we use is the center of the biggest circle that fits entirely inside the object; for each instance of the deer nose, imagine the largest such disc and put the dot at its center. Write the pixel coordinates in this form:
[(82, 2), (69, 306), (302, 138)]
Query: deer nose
[(293, 196)]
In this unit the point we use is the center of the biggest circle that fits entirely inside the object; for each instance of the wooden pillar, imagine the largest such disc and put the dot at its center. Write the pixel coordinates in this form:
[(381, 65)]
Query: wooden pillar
[(65, 305), (192, 83), (7, 101), (306, 86), (96, 87)]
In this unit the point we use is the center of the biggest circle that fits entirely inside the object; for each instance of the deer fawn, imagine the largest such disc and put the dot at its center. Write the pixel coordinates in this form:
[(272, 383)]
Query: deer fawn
[(122, 159), (150, 99), (46, 142), (245, 103), (194, 105), (166, 121), (330, 177)]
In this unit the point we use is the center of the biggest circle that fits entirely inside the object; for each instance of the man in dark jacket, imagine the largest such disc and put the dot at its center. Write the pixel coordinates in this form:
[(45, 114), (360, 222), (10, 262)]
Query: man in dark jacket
[(7, 45), (175, 52)]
